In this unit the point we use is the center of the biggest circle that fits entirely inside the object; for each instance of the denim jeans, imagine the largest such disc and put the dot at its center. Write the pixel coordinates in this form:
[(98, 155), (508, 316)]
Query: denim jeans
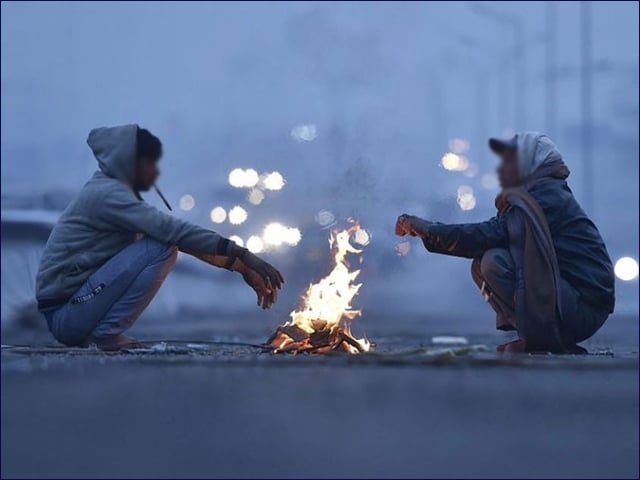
[(494, 273), (115, 295)]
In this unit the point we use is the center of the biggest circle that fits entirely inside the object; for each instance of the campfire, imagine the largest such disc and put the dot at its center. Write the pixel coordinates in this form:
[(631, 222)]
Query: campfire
[(324, 322)]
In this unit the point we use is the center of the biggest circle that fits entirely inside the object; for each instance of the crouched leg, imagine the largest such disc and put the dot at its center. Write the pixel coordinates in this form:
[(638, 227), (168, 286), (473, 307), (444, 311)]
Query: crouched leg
[(115, 295), (494, 273)]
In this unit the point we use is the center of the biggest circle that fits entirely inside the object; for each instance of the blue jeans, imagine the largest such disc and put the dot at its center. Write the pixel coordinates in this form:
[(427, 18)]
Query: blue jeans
[(115, 295)]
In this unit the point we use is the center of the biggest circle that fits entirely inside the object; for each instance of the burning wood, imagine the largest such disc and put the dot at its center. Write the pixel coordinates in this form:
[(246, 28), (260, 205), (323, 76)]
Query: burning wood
[(323, 324)]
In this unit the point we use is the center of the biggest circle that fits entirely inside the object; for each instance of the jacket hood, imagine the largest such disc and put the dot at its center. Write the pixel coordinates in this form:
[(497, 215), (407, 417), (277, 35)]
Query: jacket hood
[(534, 150), (115, 150)]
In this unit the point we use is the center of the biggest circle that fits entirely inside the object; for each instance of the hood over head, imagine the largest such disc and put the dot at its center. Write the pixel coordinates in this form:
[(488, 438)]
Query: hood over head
[(534, 150), (115, 150)]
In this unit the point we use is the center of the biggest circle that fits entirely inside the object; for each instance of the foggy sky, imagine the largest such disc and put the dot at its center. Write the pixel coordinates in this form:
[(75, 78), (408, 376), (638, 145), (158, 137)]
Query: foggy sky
[(386, 84)]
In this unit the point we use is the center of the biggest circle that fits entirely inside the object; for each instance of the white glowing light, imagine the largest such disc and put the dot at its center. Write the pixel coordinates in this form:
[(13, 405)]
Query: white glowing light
[(255, 196), (362, 237), (325, 218), (240, 178), (273, 181), (466, 199), (292, 237), (304, 133), (403, 248), (251, 178), (465, 190), (459, 145), (489, 181), (255, 244), (626, 269), (454, 162), (236, 178), (237, 215), (218, 215), (187, 202), (237, 240), (274, 234)]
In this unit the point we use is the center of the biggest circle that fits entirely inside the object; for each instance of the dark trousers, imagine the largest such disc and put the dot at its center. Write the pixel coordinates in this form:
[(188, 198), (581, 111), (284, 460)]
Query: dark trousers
[(494, 273)]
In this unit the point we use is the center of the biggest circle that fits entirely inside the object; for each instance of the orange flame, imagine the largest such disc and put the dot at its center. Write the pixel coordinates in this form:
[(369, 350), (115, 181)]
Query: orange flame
[(327, 303)]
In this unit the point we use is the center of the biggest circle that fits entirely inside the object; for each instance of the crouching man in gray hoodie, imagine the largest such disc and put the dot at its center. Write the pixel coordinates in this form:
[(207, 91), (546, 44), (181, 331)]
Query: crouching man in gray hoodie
[(110, 251)]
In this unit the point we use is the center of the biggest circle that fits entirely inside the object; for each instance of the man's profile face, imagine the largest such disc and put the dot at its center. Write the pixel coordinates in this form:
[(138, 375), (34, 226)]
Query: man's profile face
[(508, 174), (147, 173)]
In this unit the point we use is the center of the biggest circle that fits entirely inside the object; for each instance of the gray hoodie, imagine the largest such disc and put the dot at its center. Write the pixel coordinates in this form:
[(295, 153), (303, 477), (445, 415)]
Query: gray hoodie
[(105, 217), (534, 149)]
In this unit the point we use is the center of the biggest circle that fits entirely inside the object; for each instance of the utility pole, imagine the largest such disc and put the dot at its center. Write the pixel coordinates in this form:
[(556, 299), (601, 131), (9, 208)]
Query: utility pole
[(520, 87), (551, 102), (482, 101), (518, 57), (586, 106)]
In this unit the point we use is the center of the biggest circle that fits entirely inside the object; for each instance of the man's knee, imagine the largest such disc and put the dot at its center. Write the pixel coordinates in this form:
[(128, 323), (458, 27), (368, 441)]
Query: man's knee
[(164, 252), (495, 264), (476, 273)]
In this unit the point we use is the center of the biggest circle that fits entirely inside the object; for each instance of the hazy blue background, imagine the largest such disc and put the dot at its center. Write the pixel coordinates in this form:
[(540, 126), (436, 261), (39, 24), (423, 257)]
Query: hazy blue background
[(387, 86)]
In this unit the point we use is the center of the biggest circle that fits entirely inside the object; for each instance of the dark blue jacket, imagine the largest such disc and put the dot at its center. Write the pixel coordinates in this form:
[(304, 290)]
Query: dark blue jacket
[(583, 259)]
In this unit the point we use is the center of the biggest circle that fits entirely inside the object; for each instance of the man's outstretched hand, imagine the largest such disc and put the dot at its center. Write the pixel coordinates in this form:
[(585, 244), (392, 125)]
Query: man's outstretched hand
[(411, 225), (263, 277)]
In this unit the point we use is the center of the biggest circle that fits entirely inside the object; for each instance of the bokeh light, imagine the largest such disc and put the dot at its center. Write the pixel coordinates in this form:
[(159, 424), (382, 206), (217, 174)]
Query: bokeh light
[(454, 162), (237, 240), (304, 133), (187, 202), (274, 234), (240, 178), (626, 268), (459, 145), (465, 190), (237, 215), (292, 236), (402, 248), (251, 178), (236, 178), (273, 181), (325, 218), (466, 199), (218, 215), (255, 244), (362, 237), (255, 196)]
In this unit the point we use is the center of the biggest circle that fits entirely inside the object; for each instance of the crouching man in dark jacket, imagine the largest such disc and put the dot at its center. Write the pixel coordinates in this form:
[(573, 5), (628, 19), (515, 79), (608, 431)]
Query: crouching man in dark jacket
[(541, 262), (110, 251)]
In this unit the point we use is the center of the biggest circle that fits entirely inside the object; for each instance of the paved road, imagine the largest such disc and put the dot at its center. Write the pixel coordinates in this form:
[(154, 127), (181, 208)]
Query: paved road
[(233, 412)]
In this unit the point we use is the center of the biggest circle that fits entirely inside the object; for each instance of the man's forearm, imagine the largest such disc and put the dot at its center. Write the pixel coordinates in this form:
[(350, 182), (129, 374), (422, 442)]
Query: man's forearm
[(220, 261), (467, 240)]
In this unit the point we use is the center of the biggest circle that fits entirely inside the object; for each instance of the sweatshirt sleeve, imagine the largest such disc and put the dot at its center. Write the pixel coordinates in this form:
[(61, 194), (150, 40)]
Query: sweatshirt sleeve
[(121, 209), (468, 240)]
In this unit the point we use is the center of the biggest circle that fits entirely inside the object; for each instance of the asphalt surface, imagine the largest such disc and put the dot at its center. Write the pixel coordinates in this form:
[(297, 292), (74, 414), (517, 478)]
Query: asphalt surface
[(413, 409)]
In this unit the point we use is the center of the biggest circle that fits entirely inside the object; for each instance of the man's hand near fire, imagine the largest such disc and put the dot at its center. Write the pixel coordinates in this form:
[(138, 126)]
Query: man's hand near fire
[(263, 277), (411, 225)]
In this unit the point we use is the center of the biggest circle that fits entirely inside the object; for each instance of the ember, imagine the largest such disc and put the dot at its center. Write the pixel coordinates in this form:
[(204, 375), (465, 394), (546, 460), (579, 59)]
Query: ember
[(323, 324)]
